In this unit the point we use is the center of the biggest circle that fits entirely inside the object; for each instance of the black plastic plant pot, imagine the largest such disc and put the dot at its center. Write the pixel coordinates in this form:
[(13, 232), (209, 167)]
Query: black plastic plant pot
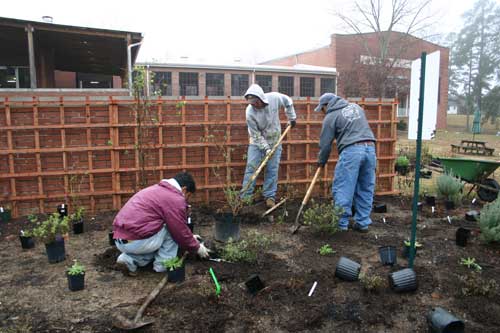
[(227, 227), (461, 236), (5, 215), (111, 239), (430, 200), (427, 174), (472, 215), (402, 170), (76, 282), (27, 242), (56, 251), (449, 205), (403, 280), (78, 227), (441, 321), (380, 208), (177, 275), (254, 284), (388, 255), (62, 209), (347, 269)]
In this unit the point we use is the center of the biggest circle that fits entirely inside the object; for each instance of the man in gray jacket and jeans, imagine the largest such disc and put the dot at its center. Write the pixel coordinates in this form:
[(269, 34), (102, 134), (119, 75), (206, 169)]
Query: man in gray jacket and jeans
[(264, 130), (354, 179)]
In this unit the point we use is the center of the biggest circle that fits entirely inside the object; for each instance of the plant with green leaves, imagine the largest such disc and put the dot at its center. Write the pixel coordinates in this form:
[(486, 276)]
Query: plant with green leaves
[(470, 263), (245, 250), (473, 285), (408, 243), (489, 222), (326, 250), (52, 227), (173, 263), (76, 268), (402, 161), (450, 187), (323, 217), (371, 283), (78, 214)]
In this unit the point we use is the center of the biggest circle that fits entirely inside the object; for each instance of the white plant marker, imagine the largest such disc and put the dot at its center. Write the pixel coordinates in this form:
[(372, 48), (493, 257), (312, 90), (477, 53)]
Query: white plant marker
[(312, 288), (383, 220), (449, 219), (1, 209), (376, 237), (432, 208), (474, 200)]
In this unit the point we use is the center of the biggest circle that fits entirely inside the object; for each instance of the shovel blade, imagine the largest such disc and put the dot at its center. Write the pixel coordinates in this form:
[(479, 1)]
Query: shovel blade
[(297, 225), (128, 324)]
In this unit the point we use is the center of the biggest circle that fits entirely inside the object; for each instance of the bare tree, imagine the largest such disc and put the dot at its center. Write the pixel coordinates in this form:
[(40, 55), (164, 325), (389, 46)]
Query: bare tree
[(393, 27)]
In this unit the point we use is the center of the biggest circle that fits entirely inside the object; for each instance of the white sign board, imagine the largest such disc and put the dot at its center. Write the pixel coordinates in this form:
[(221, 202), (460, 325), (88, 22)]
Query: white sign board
[(431, 91)]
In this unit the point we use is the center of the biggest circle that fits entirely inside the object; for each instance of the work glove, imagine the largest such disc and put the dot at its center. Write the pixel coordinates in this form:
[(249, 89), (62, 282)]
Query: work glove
[(268, 150), (293, 123), (203, 252), (198, 238)]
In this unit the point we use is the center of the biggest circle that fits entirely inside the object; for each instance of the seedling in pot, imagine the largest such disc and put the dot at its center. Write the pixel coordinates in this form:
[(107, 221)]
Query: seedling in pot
[(77, 220), (326, 250), (51, 232), (175, 269), (26, 239), (76, 276), (470, 263)]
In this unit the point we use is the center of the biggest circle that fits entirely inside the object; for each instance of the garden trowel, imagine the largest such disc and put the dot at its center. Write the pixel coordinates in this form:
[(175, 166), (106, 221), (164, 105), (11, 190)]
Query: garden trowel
[(297, 225)]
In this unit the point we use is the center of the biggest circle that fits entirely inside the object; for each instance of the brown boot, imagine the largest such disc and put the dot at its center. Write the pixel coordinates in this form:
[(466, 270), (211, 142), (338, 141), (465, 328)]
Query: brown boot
[(270, 202)]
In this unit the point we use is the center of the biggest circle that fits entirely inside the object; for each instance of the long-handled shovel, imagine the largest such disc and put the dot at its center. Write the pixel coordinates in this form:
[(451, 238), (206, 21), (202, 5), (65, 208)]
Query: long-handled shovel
[(265, 160), (297, 225)]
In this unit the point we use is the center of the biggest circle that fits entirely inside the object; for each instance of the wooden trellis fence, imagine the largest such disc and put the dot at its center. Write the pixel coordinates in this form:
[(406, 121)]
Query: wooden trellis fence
[(90, 150)]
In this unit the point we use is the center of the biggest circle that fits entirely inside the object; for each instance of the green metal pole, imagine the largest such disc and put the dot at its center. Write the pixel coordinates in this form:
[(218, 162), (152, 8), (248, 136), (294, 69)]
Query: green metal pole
[(416, 187)]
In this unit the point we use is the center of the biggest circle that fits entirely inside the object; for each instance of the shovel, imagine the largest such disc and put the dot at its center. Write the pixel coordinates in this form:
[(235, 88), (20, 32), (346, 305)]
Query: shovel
[(297, 225), (265, 160)]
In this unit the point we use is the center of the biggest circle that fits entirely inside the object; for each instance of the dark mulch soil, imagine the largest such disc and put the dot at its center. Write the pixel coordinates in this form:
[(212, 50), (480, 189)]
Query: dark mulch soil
[(35, 298)]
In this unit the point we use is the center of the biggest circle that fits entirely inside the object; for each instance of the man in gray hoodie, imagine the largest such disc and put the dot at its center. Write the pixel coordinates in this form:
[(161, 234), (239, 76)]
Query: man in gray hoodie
[(264, 130), (354, 179)]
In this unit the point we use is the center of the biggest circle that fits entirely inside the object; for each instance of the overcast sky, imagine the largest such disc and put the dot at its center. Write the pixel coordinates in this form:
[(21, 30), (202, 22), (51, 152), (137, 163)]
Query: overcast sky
[(216, 31)]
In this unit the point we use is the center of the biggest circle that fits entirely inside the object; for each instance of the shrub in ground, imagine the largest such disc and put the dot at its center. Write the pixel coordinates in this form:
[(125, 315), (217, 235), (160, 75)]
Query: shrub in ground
[(450, 187), (245, 250), (489, 222), (473, 285), (371, 283), (323, 217), (326, 250)]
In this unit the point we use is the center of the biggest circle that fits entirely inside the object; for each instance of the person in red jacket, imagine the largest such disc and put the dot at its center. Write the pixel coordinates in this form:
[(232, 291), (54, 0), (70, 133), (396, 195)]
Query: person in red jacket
[(152, 225)]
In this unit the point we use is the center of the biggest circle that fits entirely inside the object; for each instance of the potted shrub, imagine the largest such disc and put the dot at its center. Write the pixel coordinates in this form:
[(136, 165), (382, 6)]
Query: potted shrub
[(323, 218), (227, 225), (175, 269), (51, 233), (450, 188), (402, 165), (5, 214), (76, 276), (77, 220), (406, 249), (26, 239), (489, 222)]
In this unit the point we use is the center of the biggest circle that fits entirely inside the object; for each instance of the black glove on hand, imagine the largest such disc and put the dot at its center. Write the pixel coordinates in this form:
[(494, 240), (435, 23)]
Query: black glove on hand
[(293, 123)]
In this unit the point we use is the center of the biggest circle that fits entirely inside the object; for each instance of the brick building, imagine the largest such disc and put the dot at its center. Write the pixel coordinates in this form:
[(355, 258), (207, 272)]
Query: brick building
[(233, 80), (349, 55)]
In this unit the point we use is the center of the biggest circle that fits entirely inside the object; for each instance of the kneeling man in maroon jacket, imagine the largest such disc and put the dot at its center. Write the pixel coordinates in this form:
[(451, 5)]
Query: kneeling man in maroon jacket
[(153, 225)]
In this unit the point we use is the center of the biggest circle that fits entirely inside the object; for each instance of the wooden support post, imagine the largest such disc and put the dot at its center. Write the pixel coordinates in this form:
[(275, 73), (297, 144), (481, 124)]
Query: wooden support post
[(160, 135), (31, 51), (90, 154), (12, 170), (207, 161), (37, 156)]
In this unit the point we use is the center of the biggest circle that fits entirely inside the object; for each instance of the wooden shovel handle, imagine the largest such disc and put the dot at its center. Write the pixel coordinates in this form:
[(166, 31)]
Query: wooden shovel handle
[(309, 190)]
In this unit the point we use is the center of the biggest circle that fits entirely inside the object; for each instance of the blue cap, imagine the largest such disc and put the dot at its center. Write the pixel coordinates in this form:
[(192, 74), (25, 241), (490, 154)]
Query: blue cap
[(324, 100)]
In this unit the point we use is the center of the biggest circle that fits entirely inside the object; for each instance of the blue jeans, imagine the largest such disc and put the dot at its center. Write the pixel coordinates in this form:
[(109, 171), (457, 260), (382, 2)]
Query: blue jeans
[(141, 252), (355, 182), (254, 157)]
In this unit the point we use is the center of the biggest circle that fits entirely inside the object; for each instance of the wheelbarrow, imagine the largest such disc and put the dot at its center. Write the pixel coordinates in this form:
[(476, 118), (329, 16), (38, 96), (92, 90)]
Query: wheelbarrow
[(475, 172)]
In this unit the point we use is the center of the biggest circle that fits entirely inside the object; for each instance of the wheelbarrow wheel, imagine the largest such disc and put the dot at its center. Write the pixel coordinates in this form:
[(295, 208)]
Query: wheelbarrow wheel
[(486, 194)]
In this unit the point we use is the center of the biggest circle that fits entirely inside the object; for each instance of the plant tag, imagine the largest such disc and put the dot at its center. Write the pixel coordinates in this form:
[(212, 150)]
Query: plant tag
[(312, 288), (1, 209), (432, 208), (474, 200), (376, 237), (383, 220), (286, 213), (449, 219)]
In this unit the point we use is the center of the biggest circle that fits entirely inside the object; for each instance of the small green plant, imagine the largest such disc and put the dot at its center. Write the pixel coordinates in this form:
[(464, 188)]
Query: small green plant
[(109, 143), (78, 214), (326, 250), (245, 250), (473, 285), (180, 104), (323, 217), (489, 222), (470, 263), (53, 226), (450, 187), (76, 268), (173, 263), (408, 243), (402, 161), (32, 218), (371, 283)]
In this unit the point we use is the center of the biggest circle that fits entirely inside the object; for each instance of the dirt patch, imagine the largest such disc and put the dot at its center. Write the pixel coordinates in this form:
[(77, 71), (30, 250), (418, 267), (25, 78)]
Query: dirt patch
[(38, 299)]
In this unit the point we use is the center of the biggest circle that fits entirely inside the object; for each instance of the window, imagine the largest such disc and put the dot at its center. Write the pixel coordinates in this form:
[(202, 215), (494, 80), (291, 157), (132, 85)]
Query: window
[(285, 85), (162, 83), (14, 77), (265, 81), (214, 84), (188, 84), (327, 85), (239, 84), (307, 86)]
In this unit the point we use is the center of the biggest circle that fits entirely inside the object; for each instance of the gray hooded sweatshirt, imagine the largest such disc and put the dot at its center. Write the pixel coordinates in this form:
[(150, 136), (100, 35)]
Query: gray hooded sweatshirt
[(264, 127), (346, 122)]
